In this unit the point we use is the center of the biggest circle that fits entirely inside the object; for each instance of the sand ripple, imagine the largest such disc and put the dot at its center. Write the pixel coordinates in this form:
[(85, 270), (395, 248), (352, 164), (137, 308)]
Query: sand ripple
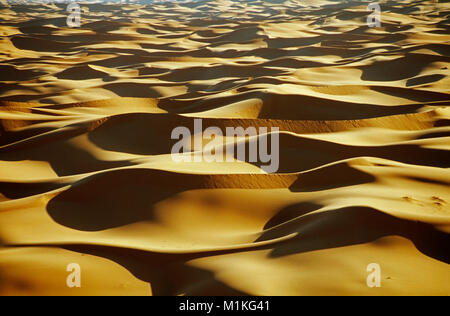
[(86, 174)]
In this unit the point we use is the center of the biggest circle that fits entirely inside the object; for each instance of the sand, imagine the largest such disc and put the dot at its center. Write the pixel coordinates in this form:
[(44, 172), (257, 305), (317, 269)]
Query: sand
[(86, 174)]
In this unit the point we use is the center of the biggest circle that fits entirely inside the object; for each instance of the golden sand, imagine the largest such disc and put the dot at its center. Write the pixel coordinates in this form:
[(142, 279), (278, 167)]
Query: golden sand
[(86, 174)]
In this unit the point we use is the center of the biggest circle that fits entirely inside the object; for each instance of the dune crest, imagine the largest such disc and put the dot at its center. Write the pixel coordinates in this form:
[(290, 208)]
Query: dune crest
[(87, 176)]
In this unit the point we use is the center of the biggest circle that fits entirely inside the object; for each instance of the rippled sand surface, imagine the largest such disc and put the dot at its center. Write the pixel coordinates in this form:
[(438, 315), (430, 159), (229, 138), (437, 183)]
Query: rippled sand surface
[(86, 174)]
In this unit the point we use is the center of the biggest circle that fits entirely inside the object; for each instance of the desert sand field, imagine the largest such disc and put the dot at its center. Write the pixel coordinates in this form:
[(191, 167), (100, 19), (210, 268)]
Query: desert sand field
[(87, 176)]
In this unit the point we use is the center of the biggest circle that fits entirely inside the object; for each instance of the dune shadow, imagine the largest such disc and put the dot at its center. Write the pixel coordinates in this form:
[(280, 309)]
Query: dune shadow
[(219, 72), (13, 190), (422, 96), (405, 67), (442, 122), (291, 212), (331, 177), (11, 73), (290, 106), (124, 196), (43, 44), (412, 154), (352, 226), (11, 136), (119, 133), (83, 73), (134, 90), (115, 198), (302, 154), (168, 274), (65, 159), (424, 80)]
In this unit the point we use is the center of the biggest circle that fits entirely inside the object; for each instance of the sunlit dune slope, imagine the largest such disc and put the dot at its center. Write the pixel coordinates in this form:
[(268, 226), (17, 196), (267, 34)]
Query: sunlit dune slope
[(87, 176)]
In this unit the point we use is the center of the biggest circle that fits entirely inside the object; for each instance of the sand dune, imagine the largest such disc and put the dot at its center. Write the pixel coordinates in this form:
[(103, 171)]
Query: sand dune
[(87, 177)]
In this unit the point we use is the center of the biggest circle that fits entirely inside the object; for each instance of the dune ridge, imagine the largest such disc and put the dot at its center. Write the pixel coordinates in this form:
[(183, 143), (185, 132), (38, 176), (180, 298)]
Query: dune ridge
[(86, 173)]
